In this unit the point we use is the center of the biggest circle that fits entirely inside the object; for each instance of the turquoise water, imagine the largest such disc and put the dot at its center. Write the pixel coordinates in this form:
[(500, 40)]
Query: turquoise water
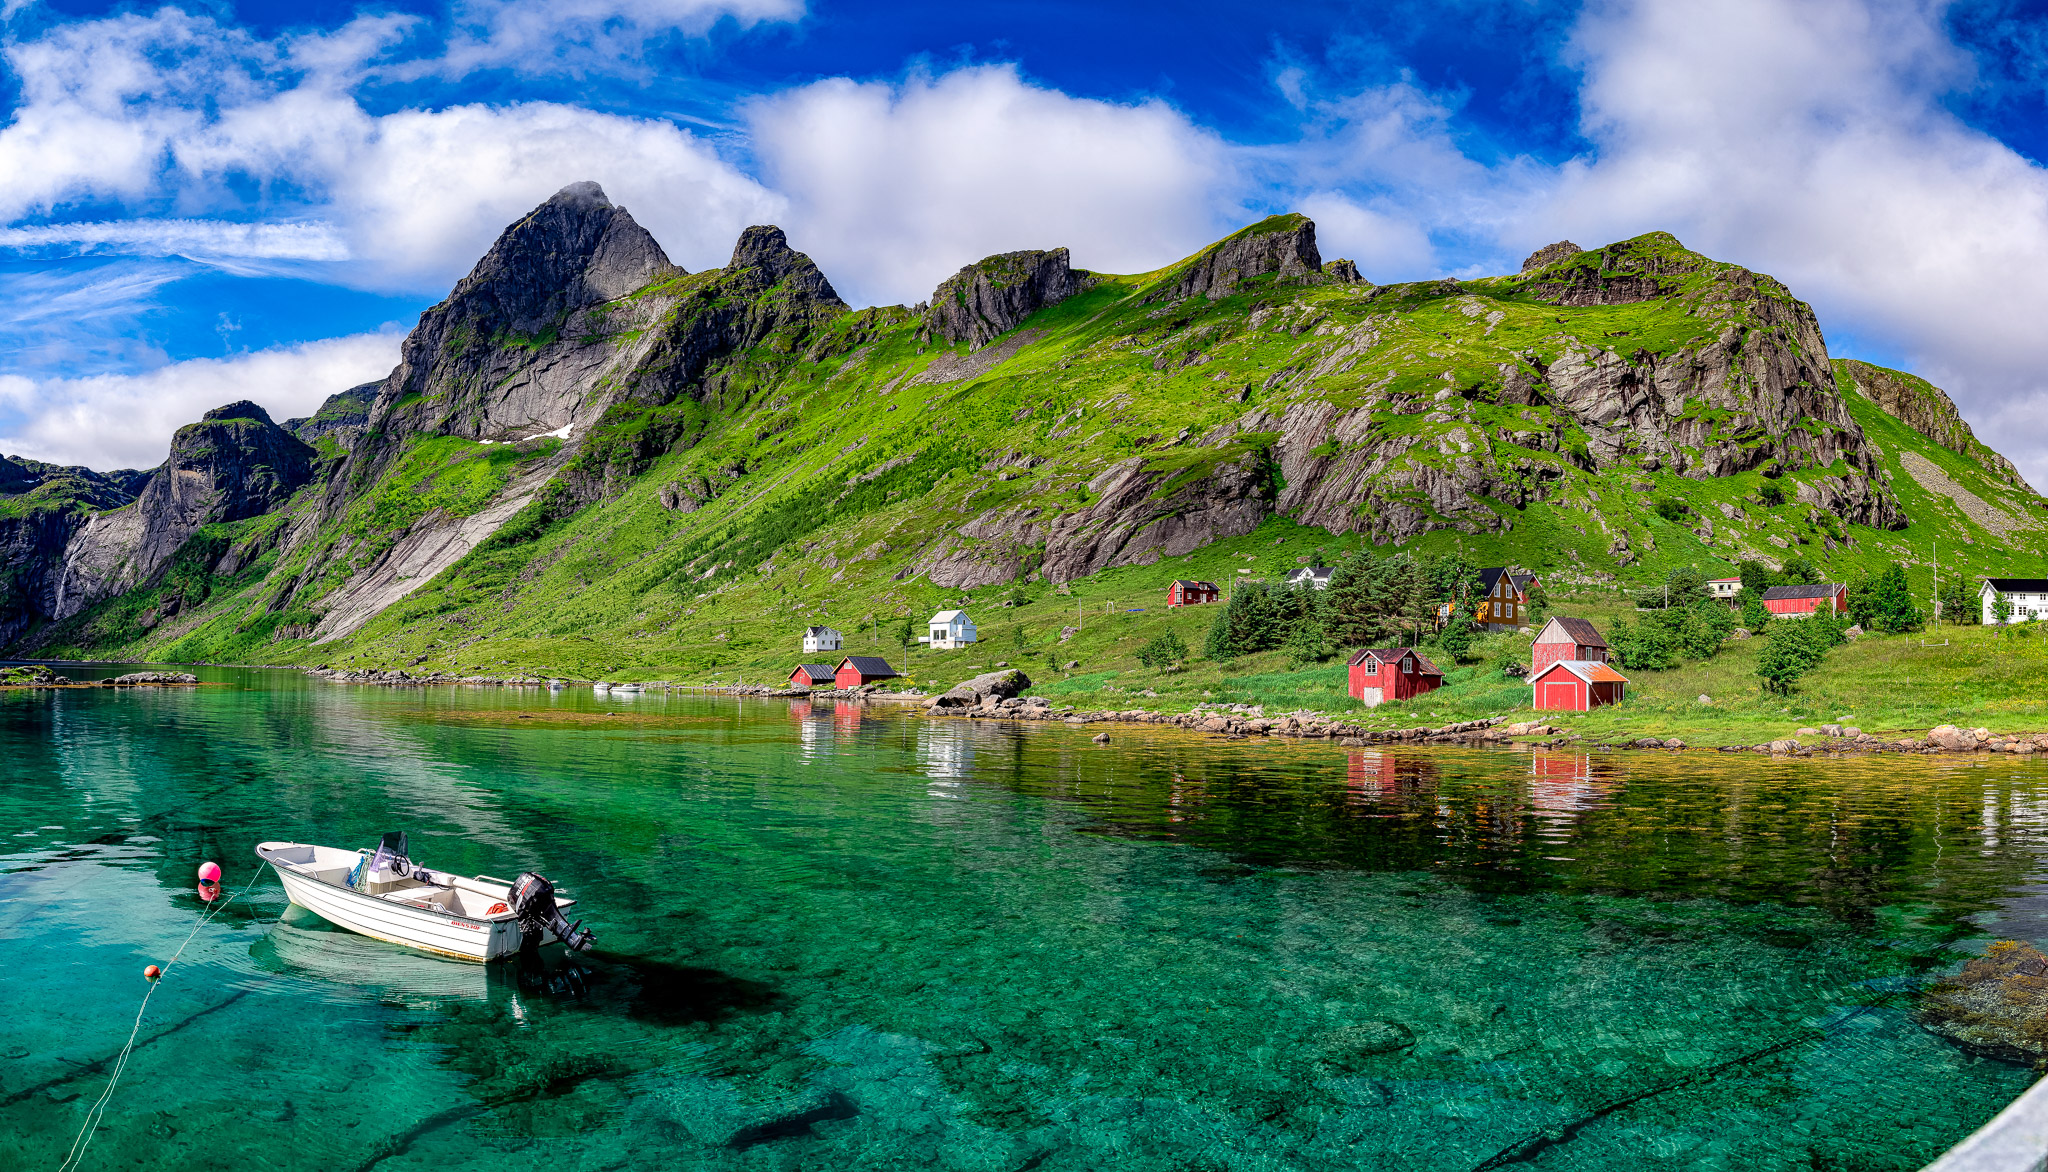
[(834, 937)]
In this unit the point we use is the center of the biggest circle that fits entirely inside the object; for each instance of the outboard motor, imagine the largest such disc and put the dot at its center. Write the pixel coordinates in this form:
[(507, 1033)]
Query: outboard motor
[(533, 900)]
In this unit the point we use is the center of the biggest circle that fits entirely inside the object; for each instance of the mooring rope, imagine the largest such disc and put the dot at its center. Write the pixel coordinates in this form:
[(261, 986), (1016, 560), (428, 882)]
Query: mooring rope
[(83, 1140)]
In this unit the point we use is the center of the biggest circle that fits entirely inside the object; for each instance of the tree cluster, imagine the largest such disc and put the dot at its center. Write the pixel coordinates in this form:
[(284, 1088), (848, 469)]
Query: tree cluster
[(1371, 601), (1794, 647), (1882, 602)]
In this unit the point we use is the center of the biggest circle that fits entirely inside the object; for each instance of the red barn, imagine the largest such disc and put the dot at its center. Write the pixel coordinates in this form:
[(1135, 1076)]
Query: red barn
[(1576, 685), (856, 670), (1185, 593), (1380, 675), (811, 675), (1566, 638), (1801, 601)]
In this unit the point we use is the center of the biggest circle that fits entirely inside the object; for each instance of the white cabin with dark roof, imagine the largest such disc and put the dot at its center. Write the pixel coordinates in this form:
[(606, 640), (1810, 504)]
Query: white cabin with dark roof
[(821, 639), (2028, 598)]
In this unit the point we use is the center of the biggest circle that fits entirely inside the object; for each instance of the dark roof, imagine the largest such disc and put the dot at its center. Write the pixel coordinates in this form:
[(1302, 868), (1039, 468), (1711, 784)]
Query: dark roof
[(1184, 584), (819, 631), (1583, 632), (817, 671), (869, 665), (1822, 590), (1521, 581), (1488, 577), (1318, 571), (2019, 585), (1393, 655)]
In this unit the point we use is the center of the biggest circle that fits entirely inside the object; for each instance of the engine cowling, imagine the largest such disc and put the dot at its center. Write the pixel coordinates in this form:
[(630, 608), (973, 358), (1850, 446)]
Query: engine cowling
[(533, 901)]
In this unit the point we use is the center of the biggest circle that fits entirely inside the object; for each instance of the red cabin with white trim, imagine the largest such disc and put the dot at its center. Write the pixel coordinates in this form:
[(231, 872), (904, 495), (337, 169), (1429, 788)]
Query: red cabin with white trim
[(1380, 675), (856, 670), (1186, 593)]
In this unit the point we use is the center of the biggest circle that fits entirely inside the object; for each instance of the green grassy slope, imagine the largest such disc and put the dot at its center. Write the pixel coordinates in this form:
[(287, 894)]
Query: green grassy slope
[(826, 469)]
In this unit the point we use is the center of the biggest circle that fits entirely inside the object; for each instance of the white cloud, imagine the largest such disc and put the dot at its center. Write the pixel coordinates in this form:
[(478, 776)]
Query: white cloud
[(893, 187), (579, 36), (1808, 139), (289, 240), (175, 110), (126, 420)]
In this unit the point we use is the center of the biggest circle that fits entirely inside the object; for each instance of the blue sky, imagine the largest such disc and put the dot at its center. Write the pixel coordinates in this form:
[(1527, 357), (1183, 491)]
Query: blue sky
[(215, 201)]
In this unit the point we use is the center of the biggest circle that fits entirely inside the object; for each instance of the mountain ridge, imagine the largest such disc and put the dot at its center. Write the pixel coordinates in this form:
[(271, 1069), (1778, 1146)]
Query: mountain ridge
[(584, 439)]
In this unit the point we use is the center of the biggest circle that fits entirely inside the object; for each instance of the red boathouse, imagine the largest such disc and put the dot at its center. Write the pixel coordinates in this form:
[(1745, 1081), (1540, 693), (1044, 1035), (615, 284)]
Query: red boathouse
[(1801, 601), (1185, 593), (1380, 675), (1576, 685), (856, 670), (811, 675)]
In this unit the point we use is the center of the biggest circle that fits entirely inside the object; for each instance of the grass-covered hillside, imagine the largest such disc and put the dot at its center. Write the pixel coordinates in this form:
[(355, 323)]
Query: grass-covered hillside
[(746, 456)]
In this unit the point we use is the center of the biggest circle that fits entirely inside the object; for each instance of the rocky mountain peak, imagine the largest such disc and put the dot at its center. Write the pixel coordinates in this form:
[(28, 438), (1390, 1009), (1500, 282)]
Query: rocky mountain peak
[(987, 299), (240, 409), (575, 250), (763, 259), (1282, 245), (1550, 254)]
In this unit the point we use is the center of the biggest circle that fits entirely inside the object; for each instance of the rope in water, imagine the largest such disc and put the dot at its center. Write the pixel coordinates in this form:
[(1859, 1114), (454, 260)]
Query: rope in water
[(84, 1138)]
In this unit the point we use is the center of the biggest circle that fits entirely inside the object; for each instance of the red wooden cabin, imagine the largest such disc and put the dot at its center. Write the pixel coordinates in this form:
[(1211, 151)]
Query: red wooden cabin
[(1566, 638), (856, 670), (1576, 685), (1185, 593), (1380, 675), (811, 675), (1800, 601)]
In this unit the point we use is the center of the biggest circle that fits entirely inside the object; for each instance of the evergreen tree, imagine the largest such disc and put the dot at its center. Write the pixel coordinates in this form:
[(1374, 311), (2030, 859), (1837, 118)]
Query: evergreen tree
[(1886, 602), (1353, 604), (1956, 604), (1456, 638)]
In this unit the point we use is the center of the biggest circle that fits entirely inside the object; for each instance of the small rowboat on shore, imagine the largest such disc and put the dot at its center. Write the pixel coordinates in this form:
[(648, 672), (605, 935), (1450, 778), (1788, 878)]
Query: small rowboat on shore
[(385, 895)]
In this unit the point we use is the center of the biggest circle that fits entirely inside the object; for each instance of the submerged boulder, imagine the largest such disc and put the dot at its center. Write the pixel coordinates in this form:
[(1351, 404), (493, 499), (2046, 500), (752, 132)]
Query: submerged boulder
[(1997, 1006)]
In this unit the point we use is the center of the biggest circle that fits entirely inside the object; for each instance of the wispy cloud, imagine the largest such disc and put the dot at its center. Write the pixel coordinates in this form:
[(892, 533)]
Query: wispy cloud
[(289, 240)]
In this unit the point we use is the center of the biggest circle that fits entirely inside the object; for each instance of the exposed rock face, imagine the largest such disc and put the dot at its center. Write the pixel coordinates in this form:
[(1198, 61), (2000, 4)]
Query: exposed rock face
[(1550, 254), (1127, 524), (342, 417), (1926, 409), (988, 298), (1619, 274), (488, 362), (1282, 245), (1343, 271), (233, 464)]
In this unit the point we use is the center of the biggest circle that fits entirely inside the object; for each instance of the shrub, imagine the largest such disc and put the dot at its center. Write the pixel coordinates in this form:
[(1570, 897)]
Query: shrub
[(1772, 493), (1795, 647), (1163, 652), (1669, 509)]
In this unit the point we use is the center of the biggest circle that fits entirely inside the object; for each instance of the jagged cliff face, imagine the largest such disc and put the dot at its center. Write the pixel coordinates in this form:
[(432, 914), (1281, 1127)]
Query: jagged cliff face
[(579, 405), (232, 465), (1926, 409)]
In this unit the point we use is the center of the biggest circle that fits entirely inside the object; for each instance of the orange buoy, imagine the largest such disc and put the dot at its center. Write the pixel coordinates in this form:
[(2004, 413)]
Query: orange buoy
[(152, 973)]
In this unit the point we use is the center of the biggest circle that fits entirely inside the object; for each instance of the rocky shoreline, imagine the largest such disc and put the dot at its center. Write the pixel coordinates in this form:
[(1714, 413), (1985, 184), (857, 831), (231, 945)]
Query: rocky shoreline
[(43, 677), (998, 696)]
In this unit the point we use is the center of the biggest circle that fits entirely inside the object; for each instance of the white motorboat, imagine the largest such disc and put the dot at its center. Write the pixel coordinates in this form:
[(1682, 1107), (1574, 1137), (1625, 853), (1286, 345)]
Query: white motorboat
[(387, 896)]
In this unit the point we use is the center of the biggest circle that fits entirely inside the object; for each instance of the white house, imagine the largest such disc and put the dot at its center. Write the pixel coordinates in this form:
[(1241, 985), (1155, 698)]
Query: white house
[(2027, 596), (821, 639), (1723, 589), (949, 629), (1315, 576)]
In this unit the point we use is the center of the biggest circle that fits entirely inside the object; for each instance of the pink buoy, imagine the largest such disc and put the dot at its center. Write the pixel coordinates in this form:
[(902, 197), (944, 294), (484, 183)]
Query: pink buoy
[(209, 872), (209, 891)]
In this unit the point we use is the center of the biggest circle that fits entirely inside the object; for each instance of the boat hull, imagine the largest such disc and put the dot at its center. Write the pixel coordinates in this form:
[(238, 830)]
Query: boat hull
[(433, 931)]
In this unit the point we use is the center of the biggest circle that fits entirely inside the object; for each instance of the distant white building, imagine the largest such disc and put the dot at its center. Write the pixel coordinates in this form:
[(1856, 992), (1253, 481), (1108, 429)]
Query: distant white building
[(2028, 598), (1724, 589), (1317, 577), (949, 629), (821, 639)]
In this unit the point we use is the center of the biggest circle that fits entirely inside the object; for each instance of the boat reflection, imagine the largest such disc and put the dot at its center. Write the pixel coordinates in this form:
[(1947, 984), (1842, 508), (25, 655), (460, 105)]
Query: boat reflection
[(303, 945)]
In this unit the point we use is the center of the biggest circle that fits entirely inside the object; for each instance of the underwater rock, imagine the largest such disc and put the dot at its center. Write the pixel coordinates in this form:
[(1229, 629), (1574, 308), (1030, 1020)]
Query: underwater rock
[(1350, 1046), (1997, 1006)]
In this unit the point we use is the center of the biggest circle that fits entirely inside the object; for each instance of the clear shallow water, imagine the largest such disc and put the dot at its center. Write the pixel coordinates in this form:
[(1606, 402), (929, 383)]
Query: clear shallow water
[(841, 938)]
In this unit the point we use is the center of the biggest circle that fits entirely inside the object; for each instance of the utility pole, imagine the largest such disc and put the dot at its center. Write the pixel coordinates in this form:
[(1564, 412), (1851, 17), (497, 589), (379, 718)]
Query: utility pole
[(1937, 579)]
